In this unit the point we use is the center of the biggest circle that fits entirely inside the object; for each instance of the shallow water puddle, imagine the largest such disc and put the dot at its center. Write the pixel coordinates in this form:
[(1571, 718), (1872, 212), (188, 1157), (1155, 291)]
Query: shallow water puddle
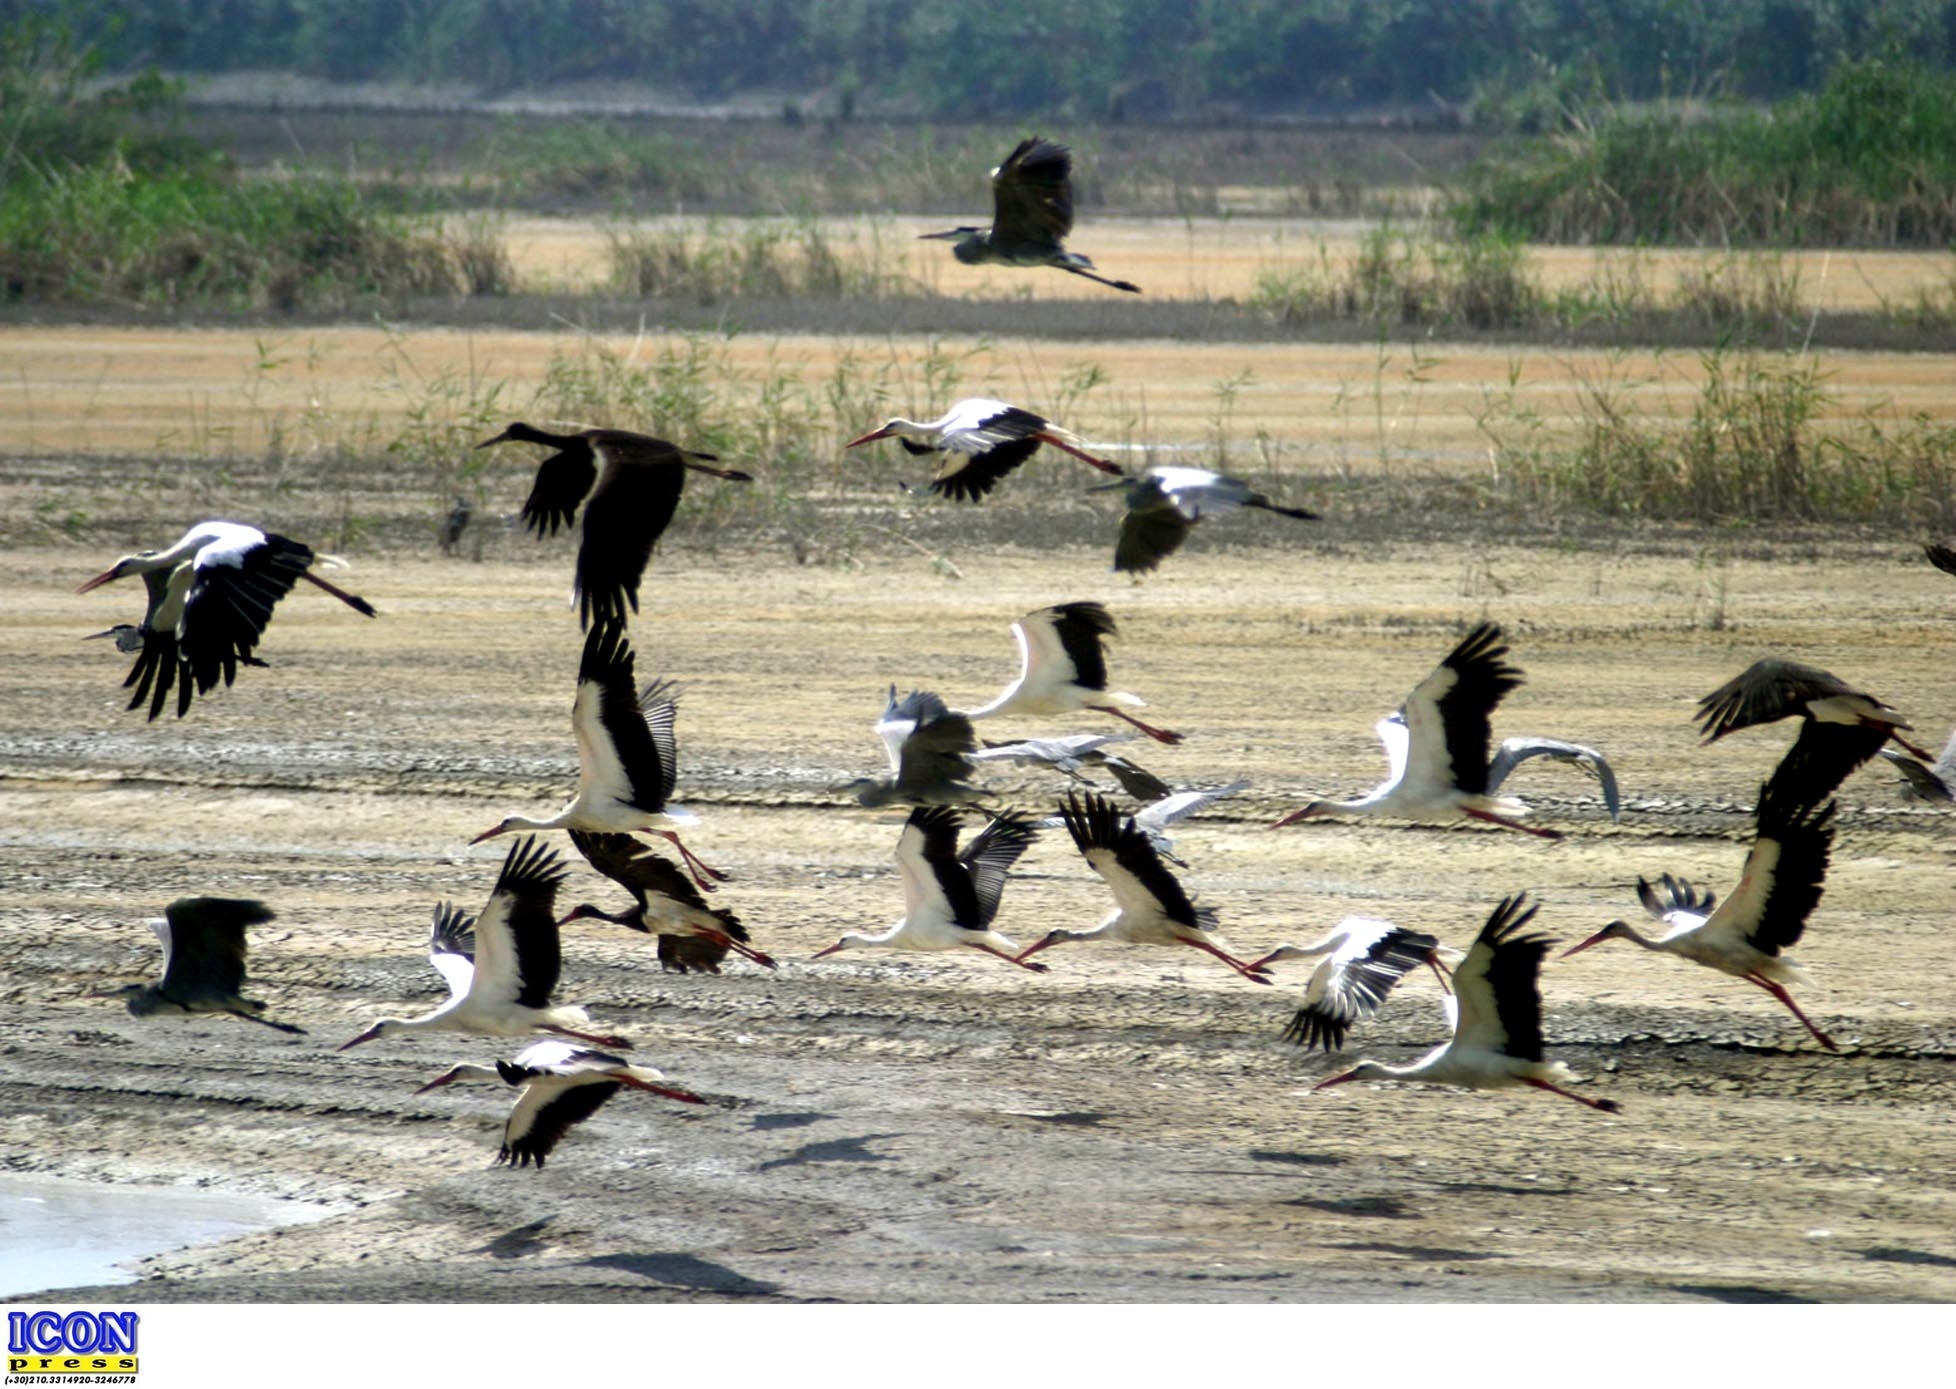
[(65, 1234)]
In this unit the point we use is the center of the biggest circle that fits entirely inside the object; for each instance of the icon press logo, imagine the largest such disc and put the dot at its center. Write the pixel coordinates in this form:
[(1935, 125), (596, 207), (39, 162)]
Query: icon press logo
[(80, 1347)]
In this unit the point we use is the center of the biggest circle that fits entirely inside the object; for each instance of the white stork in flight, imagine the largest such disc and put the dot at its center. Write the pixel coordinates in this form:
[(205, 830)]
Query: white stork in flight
[(627, 760), (668, 905), (203, 961), (558, 1086), (1437, 746), (1840, 727), (1496, 1011), (1150, 907), (210, 597), (949, 898), (1767, 913), (979, 441), (1358, 963), (634, 484), (1063, 669), (501, 969)]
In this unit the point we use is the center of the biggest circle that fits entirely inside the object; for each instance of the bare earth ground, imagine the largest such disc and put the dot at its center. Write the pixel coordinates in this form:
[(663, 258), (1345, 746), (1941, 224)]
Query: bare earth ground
[(1128, 1127)]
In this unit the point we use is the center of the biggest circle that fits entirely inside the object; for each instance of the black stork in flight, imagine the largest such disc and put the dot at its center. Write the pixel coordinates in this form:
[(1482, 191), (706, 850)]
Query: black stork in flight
[(633, 483)]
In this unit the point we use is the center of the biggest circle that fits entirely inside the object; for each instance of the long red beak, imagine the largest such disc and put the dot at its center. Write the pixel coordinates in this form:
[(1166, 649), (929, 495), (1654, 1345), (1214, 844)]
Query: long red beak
[(490, 833), (1596, 939), (830, 951), (868, 438), (104, 577), (366, 1036), (1339, 1079), (1292, 818)]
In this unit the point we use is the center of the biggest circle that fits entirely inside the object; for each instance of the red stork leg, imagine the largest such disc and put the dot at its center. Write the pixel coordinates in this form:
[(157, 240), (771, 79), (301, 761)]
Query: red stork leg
[(683, 1096), (1607, 1106), (1019, 959), (1160, 735), (693, 862), (1922, 753), (1506, 823), (1082, 454), (1784, 997), (1247, 971), (727, 942), (614, 1043)]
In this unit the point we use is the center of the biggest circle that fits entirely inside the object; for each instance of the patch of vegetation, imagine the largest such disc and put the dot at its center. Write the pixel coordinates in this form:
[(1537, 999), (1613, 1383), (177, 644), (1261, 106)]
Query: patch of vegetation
[(719, 261), (100, 233), (1401, 277), (1763, 442), (1869, 160), (90, 213), (1485, 282)]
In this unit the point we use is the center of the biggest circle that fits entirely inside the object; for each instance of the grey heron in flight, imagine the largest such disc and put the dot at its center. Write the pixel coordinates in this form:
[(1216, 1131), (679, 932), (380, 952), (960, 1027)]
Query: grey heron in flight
[(1032, 213), (203, 961)]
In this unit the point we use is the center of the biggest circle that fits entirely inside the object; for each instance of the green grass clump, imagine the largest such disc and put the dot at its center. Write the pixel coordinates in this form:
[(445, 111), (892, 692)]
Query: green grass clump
[(1869, 160), (754, 260), (1752, 449), (102, 234), (1402, 277)]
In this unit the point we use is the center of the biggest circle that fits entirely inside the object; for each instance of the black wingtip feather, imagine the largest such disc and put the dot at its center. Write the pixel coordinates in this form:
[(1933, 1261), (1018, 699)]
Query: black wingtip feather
[(531, 865)]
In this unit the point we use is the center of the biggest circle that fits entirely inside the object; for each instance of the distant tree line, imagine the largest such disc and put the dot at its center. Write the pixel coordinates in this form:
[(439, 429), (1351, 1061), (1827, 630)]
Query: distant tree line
[(1516, 62)]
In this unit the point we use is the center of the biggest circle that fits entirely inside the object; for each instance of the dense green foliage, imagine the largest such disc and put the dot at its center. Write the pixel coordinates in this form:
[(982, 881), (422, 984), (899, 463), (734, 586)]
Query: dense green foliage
[(1868, 160), (1084, 59), (91, 212)]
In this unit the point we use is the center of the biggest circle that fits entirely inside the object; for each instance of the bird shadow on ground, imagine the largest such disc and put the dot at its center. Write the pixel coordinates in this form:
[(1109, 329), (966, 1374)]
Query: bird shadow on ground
[(684, 1271), (1737, 1292), (1295, 1159), (832, 1150), (1502, 1189), (1908, 1256), (764, 1122), (1384, 1207), (518, 1243), (1428, 1253)]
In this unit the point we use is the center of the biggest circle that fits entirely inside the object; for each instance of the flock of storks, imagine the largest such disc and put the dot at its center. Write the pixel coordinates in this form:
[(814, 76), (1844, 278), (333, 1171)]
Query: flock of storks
[(212, 593)]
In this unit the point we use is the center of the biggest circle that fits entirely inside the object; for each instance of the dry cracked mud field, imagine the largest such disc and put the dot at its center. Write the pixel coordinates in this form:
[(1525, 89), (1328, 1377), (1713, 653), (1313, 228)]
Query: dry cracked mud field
[(1128, 1127)]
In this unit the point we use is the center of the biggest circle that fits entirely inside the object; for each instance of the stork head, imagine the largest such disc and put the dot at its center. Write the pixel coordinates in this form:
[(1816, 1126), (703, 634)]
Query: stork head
[(587, 911), (854, 940), (1049, 939), (518, 432), (465, 1071), (384, 1028), (503, 826), (888, 428), (1364, 1070), (1616, 930), (128, 637), (141, 999), (1315, 808), (1284, 952), (121, 569)]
